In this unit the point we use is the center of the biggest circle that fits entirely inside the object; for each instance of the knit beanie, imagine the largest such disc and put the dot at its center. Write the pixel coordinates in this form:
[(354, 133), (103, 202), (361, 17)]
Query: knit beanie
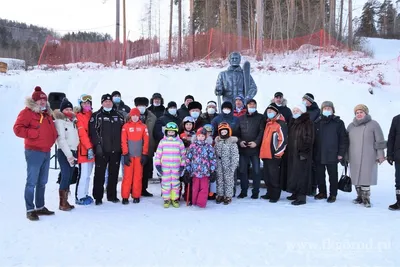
[(115, 93), (252, 101), (273, 107), (301, 107), (38, 94), (106, 97), (65, 104), (327, 104), (134, 112), (309, 97), (227, 104), (361, 107), (172, 104)]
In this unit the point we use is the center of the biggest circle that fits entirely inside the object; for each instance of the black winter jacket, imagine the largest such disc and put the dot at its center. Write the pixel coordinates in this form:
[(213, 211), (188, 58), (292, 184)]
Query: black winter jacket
[(105, 130), (393, 144), (158, 133), (122, 108), (314, 111), (183, 112), (207, 118), (251, 129), (330, 140), (158, 111)]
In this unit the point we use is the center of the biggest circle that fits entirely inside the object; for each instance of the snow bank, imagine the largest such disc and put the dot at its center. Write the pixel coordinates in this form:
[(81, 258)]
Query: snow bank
[(384, 49), (14, 64)]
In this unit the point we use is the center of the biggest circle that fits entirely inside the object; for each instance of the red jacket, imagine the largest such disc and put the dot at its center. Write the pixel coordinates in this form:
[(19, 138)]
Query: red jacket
[(83, 132), (242, 112), (35, 127), (135, 139)]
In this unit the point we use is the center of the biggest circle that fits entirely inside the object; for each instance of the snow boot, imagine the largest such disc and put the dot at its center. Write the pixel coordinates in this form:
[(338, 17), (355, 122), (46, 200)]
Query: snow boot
[(273, 200), (146, 193), (242, 194), (227, 200), (254, 196), (211, 196), (125, 201), (175, 203), (64, 205), (115, 200), (99, 202), (44, 211), (358, 200), (331, 199), (71, 206), (219, 199), (167, 203), (84, 201), (396, 206), (136, 200), (365, 195), (32, 216), (266, 196), (320, 196), (292, 197)]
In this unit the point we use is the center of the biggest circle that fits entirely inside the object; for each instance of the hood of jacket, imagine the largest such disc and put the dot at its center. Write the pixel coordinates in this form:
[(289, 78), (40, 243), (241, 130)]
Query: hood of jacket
[(313, 106), (284, 102), (365, 120), (31, 104), (231, 139)]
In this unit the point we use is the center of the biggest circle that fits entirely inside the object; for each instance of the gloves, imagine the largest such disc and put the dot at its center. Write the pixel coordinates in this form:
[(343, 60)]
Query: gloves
[(144, 159), (218, 92), (90, 154), (343, 162), (159, 169), (127, 160), (187, 178), (213, 177), (182, 170), (99, 151), (390, 160)]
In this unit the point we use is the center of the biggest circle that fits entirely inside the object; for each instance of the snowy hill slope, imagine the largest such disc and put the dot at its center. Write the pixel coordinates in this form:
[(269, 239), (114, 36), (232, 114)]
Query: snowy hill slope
[(245, 233)]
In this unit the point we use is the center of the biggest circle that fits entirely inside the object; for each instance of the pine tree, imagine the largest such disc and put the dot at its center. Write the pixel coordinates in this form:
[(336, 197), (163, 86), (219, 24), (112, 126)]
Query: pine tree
[(386, 21), (367, 27)]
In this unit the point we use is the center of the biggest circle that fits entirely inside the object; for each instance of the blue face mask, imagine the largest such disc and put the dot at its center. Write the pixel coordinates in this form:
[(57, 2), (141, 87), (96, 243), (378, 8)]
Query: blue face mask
[(117, 99), (172, 111), (327, 113), (296, 116), (304, 103), (195, 114), (107, 109), (271, 115), (252, 110)]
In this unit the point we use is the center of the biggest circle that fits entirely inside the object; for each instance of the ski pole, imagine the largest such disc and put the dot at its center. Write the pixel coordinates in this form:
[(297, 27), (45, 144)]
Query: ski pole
[(187, 195)]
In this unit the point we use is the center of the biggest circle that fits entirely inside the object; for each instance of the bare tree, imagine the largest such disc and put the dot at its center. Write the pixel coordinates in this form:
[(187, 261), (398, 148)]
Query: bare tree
[(260, 29), (180, 30), (239, 23), (332, 16), (170, 31), (341, 20), (191, 30), (350, 39)]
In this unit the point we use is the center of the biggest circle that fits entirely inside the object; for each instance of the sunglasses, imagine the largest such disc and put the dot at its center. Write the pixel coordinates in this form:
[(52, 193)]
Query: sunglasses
[(86, 98)]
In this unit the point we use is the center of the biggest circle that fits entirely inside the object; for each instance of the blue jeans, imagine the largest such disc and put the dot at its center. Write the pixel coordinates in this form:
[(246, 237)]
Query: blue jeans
[(66, 170), (38, 164), (244, 172), (397, 175)]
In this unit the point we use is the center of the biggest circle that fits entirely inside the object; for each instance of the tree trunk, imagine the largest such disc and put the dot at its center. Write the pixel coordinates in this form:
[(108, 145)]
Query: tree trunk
[(191, 29), (350, 41), (260, 27), (239, 24), (332, 10), (170, 31), (341, 20), (180, 30)]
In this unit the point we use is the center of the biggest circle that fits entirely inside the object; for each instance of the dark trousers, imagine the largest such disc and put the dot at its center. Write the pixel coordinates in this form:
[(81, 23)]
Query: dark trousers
[(272, 177), (66, 170), (113, 161), (397, 175), (333, 177), (147, 174), (244, 173)]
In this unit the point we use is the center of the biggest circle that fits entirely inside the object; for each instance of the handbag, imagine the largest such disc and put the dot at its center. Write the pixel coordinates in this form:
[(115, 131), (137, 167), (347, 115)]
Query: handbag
[(345, 182)]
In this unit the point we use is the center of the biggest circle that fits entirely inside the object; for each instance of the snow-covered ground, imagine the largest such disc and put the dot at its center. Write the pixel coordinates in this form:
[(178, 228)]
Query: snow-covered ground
[(245, 233)]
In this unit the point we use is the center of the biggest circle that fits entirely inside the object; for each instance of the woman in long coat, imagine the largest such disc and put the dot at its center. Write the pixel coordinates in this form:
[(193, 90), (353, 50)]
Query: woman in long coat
[(300, 147), (366, 150)]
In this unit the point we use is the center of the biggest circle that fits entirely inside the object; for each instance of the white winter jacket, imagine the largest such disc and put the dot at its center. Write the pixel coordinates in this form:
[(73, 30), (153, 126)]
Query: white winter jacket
[(68, 138)]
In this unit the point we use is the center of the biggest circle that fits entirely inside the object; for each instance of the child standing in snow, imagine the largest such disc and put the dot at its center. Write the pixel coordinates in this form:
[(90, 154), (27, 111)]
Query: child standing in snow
[(170, 164), (201, 166), (210, 140), (227, 153), (186, 134)]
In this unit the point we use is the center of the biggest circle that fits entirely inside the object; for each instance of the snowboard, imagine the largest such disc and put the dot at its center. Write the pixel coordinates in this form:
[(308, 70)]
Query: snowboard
[(246, 77)]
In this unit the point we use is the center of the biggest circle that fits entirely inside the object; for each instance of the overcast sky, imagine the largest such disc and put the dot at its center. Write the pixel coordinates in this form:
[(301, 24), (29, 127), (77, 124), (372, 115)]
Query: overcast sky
[(92, 15)]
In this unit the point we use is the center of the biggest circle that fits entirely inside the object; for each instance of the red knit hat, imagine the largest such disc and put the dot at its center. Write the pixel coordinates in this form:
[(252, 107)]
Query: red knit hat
[(134, 112), (38, 94)]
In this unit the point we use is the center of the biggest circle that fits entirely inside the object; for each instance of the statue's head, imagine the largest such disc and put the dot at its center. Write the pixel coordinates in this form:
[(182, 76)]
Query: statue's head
[(235, 58)]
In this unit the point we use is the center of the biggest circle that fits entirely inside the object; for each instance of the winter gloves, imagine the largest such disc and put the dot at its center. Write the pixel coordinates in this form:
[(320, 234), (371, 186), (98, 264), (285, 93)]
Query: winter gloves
[(159, 169), (90, 154), (144, 159), (390, 160), (213, 177), (127, 160)]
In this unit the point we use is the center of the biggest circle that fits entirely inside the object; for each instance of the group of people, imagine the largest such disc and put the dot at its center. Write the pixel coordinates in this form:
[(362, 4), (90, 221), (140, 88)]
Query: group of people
[(199, 155)]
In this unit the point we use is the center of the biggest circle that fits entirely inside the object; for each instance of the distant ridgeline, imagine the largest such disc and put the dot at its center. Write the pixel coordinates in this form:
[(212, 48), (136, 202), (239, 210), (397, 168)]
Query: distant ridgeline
[(22, 41)]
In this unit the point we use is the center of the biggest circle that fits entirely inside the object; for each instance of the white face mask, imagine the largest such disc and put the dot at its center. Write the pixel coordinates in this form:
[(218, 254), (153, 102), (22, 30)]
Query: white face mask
[(226, 111), (211, 111), (279, 105), (156, 104), (142, 109)]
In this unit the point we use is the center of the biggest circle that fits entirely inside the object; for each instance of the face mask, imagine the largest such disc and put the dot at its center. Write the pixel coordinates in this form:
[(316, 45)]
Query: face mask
[(156, 104), (43, 108), (141, 109), (226, 111), (87, 109), (211, 111), (107, 109), (172, 111), (271, 115), (195, 114), (252, 110), (326, 113), (295, 116), (116, 99), (304, 103), (279, 105)]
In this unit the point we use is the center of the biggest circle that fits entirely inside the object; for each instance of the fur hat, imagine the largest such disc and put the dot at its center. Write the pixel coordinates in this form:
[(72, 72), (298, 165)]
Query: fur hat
[(172, 104), (274, 107), (155, 96), (309, 97), (141, 101), (115, 93), (361, 107), (327, 104), (134, 112), (38, 94), (65, 104), (301, 107), (106, 97), (227, 104), (194, 105)]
